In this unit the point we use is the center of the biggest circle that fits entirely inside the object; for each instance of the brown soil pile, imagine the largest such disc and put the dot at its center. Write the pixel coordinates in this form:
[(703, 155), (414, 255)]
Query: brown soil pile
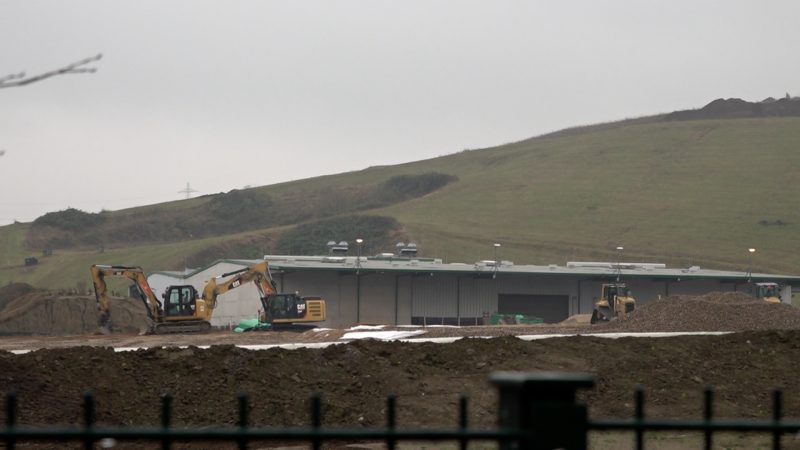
[(716, 311), (354, 379), (28, 311), (428, 379)]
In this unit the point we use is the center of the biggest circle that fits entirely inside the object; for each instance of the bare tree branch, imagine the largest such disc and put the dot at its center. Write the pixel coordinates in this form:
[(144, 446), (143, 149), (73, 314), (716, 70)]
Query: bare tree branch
[(19, 79)]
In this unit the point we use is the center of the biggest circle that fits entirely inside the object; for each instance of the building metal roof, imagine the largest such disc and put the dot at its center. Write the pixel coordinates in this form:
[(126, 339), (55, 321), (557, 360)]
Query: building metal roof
[(387, 263)]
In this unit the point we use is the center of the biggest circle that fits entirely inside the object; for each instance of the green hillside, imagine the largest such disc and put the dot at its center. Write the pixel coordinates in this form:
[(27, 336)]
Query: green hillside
[(680, 192)]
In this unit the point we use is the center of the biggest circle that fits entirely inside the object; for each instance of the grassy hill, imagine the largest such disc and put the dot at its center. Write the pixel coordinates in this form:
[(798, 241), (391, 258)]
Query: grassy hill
[(691, 192)]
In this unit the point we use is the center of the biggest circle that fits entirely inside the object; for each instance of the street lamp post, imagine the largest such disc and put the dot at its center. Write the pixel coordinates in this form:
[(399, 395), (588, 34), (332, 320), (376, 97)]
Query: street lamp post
[(359, 241), (619, 262), (496, 262), (750, 252)]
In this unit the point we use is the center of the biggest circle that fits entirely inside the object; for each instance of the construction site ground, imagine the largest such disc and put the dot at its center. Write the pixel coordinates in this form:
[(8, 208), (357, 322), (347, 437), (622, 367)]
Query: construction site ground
[(758, 355)]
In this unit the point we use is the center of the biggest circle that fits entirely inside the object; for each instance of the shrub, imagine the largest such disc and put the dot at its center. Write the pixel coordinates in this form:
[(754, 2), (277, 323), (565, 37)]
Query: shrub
[(70, 219), (406, 187), (378, 233)]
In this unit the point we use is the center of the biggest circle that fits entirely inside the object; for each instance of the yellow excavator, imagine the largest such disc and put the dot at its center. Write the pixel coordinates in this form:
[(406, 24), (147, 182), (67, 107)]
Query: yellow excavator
[(182, 311), (277, 308), (769, 292), (615, 301)]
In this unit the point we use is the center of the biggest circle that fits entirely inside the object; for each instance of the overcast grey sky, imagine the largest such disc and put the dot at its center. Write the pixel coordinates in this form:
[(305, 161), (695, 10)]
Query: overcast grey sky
[(226, 94)]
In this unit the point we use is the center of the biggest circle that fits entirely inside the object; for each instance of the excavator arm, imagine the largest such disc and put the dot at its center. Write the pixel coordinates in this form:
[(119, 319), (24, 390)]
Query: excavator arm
[(259, 274), (277, 308), (144, 292)]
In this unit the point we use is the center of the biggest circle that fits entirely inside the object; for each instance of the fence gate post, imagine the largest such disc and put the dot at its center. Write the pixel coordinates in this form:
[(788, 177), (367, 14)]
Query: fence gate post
[(543, 404)]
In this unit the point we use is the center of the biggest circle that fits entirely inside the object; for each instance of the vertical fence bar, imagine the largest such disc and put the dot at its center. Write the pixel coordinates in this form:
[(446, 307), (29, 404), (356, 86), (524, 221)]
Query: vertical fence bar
[(639, 415), (542, 405), (462, 422), (777, 406), (166, 419), (11, 418), (708, 413), (243, 420), (88, 420), (316, 420), (390, 421)]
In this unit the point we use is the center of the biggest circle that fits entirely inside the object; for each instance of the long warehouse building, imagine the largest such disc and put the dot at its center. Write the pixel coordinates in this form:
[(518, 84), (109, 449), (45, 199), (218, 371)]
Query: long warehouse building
[(397, 290)]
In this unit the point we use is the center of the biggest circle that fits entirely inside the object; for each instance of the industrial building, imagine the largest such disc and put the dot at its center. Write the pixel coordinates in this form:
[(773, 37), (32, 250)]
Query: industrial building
[(400, 289)]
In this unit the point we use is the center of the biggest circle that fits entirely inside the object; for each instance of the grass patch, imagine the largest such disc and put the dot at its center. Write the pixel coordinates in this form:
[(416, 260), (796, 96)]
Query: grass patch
[(680, 192)]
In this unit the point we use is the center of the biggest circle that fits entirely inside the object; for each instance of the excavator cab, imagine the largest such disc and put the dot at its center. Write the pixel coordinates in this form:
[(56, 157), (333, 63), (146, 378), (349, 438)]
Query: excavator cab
[(180, 301), (615, 301), (292, 308)]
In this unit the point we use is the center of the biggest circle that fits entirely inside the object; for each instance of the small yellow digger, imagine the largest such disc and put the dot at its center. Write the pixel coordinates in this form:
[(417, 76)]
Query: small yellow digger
[(769, 292), (615, 302)]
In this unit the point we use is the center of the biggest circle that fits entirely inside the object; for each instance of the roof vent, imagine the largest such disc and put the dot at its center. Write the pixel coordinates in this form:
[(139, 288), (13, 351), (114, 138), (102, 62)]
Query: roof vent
[(409, 250), (338, 249)]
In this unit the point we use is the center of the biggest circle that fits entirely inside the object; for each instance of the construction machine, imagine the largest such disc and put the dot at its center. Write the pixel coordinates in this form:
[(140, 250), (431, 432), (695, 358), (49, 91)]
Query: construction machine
[(615, 301), (182, 310), (278, 308), (769, 292)]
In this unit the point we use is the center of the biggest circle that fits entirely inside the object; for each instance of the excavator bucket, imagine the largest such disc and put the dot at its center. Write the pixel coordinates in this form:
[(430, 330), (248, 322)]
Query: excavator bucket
[(104, 323), (602, 314)]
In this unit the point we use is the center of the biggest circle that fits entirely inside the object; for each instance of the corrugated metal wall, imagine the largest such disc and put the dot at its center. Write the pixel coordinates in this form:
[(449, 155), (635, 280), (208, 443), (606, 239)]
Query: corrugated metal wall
[(338, 290), (478, 296), (404, 298), (434, 296), (377, 299), (693, 287)]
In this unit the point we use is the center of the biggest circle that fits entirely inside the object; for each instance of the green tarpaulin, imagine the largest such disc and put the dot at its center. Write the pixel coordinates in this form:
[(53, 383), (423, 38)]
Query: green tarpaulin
[(250, 325)]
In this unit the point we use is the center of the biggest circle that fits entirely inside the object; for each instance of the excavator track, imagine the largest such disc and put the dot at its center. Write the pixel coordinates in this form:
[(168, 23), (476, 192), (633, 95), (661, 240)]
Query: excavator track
[(187, 326)]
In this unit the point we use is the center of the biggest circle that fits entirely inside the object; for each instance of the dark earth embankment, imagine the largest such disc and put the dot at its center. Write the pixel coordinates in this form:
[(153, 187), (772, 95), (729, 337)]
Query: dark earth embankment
[(427, 378)]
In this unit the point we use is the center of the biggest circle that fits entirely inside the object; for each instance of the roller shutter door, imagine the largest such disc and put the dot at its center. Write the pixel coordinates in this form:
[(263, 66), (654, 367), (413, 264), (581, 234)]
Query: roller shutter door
[(551, 308)]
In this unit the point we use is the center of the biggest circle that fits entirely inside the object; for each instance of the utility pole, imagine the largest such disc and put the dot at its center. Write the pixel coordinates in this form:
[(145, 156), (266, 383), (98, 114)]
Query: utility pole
[(496, 262)]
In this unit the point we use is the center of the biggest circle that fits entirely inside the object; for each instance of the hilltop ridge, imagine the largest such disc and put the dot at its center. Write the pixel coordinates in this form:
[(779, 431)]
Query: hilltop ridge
[(685, 188), (736, 108)]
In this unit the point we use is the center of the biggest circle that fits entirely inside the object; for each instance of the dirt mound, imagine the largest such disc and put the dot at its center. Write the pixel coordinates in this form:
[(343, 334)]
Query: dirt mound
[(354, 379), (26, 311), (427, 379), (716, 311)]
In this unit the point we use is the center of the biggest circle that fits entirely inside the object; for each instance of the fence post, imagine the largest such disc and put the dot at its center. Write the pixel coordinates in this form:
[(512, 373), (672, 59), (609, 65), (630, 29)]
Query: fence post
[(544, 405)]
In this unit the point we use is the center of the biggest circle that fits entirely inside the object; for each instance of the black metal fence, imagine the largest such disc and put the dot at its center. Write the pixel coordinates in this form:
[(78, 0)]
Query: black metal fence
[(535, 411)]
